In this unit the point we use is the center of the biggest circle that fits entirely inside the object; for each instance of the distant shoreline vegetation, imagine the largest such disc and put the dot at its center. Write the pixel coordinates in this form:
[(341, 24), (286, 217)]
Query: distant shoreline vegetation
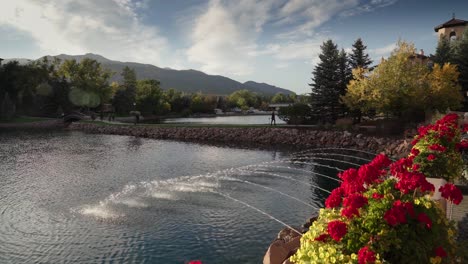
[(50, 88)]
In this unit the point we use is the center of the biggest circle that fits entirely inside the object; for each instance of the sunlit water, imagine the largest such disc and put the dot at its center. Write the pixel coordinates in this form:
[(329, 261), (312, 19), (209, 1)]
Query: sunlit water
[(227, 120), (73, 197)]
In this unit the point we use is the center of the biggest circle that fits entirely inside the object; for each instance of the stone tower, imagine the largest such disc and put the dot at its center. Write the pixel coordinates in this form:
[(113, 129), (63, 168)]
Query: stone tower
[(452, 29)]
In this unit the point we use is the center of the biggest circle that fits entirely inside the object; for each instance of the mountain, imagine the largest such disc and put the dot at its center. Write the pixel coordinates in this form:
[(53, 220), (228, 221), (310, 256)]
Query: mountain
[(189, 81), (265, 88)]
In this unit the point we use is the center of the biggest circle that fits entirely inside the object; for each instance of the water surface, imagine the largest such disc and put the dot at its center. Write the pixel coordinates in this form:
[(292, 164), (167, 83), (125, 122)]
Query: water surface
[(227, 120), (74, 197)]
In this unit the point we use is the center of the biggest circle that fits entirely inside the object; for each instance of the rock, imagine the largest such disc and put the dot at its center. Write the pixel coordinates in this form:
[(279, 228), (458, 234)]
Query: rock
[(279, 251)]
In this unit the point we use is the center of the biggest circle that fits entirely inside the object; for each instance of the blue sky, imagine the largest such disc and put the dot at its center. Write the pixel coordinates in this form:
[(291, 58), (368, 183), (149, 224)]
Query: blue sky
[(272, 41)]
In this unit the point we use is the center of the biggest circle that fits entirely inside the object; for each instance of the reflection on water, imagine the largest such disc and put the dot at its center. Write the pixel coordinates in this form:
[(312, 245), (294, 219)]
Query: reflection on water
[(74, 197), (228, 120)]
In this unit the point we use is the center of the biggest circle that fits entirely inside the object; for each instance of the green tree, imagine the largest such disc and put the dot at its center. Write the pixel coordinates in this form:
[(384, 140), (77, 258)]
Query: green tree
[(89, 82), (326, 83), (344, 71), (242, 99), (461, 60), (358, 56), (400, 88), (125, 97), (443, 52), (149, 97)]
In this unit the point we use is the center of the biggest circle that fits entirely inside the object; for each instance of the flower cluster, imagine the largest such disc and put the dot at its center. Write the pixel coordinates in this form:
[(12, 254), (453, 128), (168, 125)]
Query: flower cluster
[(451, 193), (437, 145), (382, 207)]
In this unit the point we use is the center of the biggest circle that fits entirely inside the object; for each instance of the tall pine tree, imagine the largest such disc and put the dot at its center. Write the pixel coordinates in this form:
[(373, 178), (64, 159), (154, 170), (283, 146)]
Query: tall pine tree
[(461, 60), (344, 71), (358, 57), (326, 84), (443, 51)]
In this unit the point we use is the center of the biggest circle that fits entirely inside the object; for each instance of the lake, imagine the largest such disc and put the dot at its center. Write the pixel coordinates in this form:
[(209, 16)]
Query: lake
[(74, 197), (226, 120)]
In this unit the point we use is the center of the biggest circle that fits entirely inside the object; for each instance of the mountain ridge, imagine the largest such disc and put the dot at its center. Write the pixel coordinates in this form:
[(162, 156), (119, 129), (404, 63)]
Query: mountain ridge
[(189, 80)]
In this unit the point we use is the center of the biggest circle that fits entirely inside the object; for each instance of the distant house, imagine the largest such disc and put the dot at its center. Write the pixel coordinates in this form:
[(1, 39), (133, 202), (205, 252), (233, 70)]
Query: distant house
[(218, 111), (423, 59), (451, 29)]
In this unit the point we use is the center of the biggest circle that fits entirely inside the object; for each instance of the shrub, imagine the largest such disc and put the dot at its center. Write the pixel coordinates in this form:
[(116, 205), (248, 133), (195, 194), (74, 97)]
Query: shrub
[(383, 213)]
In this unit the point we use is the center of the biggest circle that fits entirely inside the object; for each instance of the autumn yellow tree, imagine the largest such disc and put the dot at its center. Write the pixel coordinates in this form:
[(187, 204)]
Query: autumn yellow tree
[(400, 86)]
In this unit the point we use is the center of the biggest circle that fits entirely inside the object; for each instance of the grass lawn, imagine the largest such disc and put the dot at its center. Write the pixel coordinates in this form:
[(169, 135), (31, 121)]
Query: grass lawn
[(173, 125)]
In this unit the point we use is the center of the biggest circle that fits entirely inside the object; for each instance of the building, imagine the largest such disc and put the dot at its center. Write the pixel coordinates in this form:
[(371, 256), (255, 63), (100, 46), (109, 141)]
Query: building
[(452, 29)]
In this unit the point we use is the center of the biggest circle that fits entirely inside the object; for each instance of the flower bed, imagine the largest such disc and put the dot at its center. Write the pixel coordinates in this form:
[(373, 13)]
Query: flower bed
[(383, 211)]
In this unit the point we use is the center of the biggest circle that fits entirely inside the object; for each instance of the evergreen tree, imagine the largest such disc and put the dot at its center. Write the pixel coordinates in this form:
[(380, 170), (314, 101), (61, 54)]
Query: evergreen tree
[(358, 57), (344, 71), (443, 51), (461, 60), (326, 83), (125, 98)]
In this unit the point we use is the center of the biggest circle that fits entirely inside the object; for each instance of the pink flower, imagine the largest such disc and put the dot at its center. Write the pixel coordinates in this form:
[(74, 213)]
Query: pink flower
[(195, 262)]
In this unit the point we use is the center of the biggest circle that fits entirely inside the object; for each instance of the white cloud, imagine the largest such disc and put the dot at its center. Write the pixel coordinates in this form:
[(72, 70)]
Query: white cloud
[(108, 27), (310, 14), (368, 7), (383, 51), (224, 37)]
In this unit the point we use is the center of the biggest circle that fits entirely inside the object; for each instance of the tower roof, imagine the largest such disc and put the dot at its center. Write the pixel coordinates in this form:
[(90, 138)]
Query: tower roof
[(451, 23)]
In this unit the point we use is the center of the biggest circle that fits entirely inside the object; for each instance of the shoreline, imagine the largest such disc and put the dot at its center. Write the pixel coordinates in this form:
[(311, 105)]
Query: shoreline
[(291, 137)]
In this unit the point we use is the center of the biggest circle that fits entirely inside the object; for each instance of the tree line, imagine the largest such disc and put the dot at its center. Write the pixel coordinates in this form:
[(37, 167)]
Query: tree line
[(399, 87), (51, 87)]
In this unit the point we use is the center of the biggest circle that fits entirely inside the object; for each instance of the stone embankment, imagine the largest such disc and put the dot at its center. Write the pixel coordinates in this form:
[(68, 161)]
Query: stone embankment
[(300, 138)]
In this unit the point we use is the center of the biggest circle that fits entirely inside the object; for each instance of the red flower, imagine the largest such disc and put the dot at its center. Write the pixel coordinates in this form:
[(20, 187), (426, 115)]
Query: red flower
[(322, 237), (451, 193), (334, 199), (349, 212), (377, 196), (415, 167), (463, 144), (465, 128), (440, 252), (195, 262), (368, 173), (438, 147), (431, 157), (355, 201), (397, 214), (380, 161), (365, 255), (415, 151), (423, 218), (337, 229), (352, 183)]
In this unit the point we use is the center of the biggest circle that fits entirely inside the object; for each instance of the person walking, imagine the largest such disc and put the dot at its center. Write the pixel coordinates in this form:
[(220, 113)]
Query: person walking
[(273, 119)]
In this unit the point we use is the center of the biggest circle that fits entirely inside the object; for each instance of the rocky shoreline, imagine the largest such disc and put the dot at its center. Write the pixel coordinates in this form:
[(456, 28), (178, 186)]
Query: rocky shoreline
[(300, 138)]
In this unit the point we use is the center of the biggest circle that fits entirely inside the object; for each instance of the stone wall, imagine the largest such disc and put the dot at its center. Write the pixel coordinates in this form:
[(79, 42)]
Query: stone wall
[(301, 138)]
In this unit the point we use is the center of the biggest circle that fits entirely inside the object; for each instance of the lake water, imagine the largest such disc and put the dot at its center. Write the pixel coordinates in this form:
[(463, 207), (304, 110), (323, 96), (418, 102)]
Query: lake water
[(227, 120), (74, 197)]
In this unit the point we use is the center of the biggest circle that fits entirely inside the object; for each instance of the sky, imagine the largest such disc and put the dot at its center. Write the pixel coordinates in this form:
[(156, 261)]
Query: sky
[(272, 41)]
